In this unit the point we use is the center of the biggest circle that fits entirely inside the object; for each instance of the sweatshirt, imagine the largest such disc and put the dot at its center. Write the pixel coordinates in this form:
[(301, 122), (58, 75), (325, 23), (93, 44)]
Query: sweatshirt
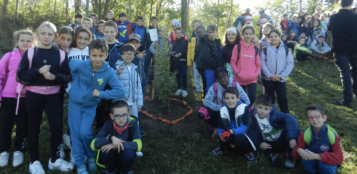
[(75, 53), (299, 47), (225, 54)]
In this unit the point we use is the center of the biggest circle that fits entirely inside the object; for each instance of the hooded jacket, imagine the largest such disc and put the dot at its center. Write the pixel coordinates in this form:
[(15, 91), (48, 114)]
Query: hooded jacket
[(131, 82), (198, 58), (192, 46), (210, 54), (316, 46), (225, 54), (114, 54), (276, 62), (124, 31), (87, 80), (247, 66), (75, 53)]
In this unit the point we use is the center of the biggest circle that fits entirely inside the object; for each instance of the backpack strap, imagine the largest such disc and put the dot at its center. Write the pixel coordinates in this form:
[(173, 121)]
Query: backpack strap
[(30, 53), (332, 133), (256, 52), (238, 49), (307, 136), (62, 56), (215, 89), (233, 84)]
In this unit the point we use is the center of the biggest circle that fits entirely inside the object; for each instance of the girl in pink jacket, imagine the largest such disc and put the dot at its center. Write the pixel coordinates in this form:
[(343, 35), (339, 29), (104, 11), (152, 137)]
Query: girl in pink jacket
[(8, 101), (245, 63)]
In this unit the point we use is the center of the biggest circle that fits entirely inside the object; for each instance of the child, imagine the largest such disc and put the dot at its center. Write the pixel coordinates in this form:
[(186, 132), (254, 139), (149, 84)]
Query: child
[(65, 38), (213, 102), (323, 22), (80, 50), (201, 34), (319, 48), (179, 54), (301, 51), (124, 140), (192, 47), (233, 122), (294, 25), (90, 78), (284, 38), (292, 40), (317, 31), (246, 63), (272, 131), (109, 16), (277, 63), (175, 24), (306, 28), (48, 71), (125, 28), (163, 42), (94, 19), (8, 98), (78, 18), (315, 17), (127, 73), (231, 38), (110, 31), (264, 42), (100, 32), (284, 24), (138, 28), (210, 55), (87, 23), (256, 43), (329, 156)]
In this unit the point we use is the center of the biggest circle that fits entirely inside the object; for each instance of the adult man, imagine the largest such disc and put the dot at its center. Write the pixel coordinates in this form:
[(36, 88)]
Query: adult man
[(244, 19), (264, 18), (344, 26)]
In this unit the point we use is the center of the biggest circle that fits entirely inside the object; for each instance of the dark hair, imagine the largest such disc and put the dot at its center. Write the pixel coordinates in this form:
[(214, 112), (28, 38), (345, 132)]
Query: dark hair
[(66, 30), (109, 11), (87, 19), (139, 18), (300, 39), (80, 29), (274, 31), (225, 39), (178, 28), (127, 47), (122, 14), (220, 70), (78, 16), (201, 28), (119, 104), (101, 22), (196, 21), (212, 28), (154, 17), (289, 36), (320, 36), (264, 99), (345, 3), (98, 44), (248, 27), (314, 107), (269, 25), (231, 90), (302, 33), (93, 14), (284, 15)]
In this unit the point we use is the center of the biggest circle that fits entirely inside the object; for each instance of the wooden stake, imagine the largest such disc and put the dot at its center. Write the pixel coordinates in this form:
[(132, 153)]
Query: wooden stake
[(153, 85)]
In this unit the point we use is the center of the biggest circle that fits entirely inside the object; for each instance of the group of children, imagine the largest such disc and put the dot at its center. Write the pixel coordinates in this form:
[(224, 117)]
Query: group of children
[(106, 66)]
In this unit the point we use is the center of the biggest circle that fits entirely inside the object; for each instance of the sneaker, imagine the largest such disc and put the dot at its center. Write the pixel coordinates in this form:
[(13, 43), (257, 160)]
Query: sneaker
[(66, 140), (61, 165), (216, 152), (73, 161), (290, 163), (36, 168), (82, 170), (184, 93), (139, 154), (148, 88), (178, 92), (62, 153), (18, 158), (92, 165), (142, 132), (275, 157), (251, 158), (344, 103), (4, 159)]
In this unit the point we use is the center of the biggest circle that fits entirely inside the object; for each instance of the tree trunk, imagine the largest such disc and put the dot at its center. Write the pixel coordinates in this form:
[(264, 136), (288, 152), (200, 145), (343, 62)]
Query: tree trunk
[(100, 9), (106, 7), (17, 4), (54, 9), (229, 16), (87, 8), (129, 10), (146, 1), (158, 10), (184, 14), (66, 9), (6, 2), (151, 8)]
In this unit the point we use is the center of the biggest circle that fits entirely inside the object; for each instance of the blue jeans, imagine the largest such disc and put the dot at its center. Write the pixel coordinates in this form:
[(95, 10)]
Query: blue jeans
[(210, 79), (148, 59), (181, 76), (347, 65), (318, 166)]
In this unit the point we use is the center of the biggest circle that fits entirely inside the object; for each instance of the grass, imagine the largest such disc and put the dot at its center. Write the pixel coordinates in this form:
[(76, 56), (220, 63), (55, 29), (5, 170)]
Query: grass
[(172, 150)]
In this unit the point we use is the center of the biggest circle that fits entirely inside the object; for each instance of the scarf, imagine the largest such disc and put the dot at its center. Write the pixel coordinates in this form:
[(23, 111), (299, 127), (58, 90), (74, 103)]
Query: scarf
[(120, 130)]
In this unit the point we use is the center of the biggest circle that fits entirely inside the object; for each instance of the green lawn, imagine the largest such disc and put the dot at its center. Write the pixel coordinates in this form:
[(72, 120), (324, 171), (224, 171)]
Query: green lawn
[(171, 149)]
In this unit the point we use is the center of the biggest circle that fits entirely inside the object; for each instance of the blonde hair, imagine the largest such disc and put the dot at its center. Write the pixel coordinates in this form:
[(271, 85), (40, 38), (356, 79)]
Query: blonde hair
[(49, 25), (20, 32)]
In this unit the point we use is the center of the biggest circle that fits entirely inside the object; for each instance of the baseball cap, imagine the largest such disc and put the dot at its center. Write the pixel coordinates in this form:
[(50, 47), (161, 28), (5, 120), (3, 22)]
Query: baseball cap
[(261, 11), (175, 22), (135, 36)]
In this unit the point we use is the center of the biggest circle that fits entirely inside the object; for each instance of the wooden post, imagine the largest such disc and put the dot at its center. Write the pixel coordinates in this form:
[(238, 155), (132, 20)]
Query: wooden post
[(153, 85)]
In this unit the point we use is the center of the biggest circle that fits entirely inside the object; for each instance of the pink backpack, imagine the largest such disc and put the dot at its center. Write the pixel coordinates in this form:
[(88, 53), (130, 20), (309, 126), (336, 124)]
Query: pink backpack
[(215, 88), (20, 90)]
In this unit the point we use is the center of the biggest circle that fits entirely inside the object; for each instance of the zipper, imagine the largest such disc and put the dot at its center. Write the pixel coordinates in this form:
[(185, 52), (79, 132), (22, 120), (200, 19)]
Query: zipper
[(93, 76)]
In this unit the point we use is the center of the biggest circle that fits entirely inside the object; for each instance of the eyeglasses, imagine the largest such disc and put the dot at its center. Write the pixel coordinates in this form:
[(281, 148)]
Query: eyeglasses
[(310, 118), (128, 54), (120, 117)]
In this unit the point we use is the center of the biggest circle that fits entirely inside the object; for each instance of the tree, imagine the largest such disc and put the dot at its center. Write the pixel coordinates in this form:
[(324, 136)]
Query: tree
[(184, 14), (6, 2), (87, 8), (129, 11)]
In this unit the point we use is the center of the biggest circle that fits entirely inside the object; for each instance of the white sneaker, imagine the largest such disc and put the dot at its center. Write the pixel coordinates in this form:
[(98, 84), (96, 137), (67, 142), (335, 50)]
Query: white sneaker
[(178, 92), (36, 168), (61, 165), (4, 159), (184, 93), (62, 153), (66, 139), (18, 158), (73, 161)]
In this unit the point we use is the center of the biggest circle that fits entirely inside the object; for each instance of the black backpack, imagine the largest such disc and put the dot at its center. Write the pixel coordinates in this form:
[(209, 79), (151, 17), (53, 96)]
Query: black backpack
[(239, 48)]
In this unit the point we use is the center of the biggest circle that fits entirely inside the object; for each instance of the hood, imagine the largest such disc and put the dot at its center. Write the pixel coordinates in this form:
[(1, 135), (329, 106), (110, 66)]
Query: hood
[(105, 66), (242, 43)]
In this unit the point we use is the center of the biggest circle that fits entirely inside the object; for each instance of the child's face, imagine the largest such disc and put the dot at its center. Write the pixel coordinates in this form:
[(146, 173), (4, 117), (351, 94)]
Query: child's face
[(87, 24), (231, 36), (256, 43), (79, 20), (135, 43), (316, 24), (266, 30), (178, 34), (323, 17), (223, 79), (195, 25), (320, 40), (94, 19), (201, 33), (163, 32), (82, 40), (122, 19), (100, 28), (46, 36), (174, 27), (308, 20), (315, 16), (140, 22), (212, 34), (110, 16), (24, 42), (97, 57), (294, 19), (64, 41), (286, 17), (302, 35), (110, 33), (302, 41), (128, 57), (248, 35), (274, 38), (283, 38), (315, 119), (231, 100), (292, 34), (120, 116), (154, 22), (263, 111)]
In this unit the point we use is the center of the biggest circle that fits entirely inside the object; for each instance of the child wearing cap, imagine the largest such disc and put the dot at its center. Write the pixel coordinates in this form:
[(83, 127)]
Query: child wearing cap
[(179, 55), (174, 25)]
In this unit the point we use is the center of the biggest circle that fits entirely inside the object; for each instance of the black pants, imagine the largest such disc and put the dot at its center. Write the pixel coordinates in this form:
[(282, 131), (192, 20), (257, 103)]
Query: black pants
[(301, 56), (202, 73), (35, 104), (181, 76), (279, 146), (124, 160), (347, 65), (103, 110), (213, 121), (240, 142), (7, 121), (252, 89), (278, 88)]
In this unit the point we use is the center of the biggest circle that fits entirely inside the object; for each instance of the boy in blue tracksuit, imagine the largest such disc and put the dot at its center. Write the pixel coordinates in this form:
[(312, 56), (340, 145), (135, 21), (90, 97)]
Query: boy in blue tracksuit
[(90, 78), (125, 28), (272, 131), (118, 140)]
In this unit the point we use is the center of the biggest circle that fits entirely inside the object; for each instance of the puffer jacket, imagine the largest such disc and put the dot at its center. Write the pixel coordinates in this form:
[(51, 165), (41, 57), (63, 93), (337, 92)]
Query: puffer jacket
[(131, 83), (198, 58), (316, 47), (192, 44), (210, 54), (276, 62)]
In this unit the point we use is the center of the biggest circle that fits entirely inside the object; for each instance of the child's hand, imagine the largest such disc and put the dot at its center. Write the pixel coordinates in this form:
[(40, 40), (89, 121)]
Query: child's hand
[(141, 55), (48, 76), (106, 148), (95, 93), (303, 154), (312, 155), (44, 69), (173, 53), (265, 146), (177, 55), (117, 143), (292, 143), (309, 51), (120, 70)]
